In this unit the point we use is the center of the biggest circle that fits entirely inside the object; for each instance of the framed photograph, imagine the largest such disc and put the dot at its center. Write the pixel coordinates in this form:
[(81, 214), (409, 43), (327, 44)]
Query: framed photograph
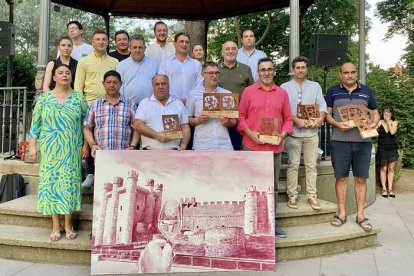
[(161, 212)]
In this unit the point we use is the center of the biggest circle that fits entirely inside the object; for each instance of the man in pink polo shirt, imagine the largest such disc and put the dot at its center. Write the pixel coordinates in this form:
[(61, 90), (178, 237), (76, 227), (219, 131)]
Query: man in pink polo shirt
[(264, 99)]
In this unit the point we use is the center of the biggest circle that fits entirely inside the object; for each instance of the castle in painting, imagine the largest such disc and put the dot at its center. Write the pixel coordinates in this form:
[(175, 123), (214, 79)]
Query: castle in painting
[(217, 228)]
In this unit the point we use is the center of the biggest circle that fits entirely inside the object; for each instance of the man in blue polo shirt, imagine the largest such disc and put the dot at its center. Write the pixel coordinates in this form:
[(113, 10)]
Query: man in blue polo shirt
[(347, 146)]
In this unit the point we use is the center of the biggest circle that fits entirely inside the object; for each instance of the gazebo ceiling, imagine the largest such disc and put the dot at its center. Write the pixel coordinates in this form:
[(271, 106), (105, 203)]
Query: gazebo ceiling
[(184, 9)]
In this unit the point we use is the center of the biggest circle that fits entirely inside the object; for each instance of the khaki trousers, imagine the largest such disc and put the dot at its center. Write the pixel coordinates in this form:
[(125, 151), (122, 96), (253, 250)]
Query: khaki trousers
[(294, 147)]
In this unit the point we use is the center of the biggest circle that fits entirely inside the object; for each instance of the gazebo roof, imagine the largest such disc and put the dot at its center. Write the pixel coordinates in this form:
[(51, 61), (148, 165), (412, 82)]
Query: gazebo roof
[(184, 9)]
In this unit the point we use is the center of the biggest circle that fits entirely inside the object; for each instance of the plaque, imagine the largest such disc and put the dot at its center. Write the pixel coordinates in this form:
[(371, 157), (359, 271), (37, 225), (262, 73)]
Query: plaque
[(363, 124), (269, 130), (172, 127), (216, 104), (308, 112)]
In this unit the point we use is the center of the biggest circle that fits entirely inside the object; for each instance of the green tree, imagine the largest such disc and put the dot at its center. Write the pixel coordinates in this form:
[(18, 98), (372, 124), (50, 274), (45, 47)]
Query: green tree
[(400, 15), (24, 71), (324, 16)]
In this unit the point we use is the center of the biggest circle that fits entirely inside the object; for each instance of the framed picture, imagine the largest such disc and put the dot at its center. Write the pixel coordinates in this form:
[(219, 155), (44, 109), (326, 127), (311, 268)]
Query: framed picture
[(182, 211)]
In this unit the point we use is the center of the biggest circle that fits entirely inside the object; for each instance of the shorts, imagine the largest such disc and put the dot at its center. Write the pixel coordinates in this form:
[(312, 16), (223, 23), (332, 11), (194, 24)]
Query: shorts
[(347, 154)]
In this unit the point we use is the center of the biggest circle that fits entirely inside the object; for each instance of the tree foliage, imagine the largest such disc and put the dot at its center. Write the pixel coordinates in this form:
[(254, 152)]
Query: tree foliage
[(396, 90), (24, 71), (400, 15), (324, 16)]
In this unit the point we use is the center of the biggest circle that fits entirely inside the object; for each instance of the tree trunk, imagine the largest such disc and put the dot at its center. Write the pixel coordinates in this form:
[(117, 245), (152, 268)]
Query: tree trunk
[(197, 32)]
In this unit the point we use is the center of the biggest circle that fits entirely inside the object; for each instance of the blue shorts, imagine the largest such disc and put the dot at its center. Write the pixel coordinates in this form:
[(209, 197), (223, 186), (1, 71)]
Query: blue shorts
[(347, 154)]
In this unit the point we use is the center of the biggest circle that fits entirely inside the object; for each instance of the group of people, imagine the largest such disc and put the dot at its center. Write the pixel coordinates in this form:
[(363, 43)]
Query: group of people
[(117, 101)]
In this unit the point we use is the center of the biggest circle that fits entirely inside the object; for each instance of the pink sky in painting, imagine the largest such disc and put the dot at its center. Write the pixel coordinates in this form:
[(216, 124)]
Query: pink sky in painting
[(224, 175)]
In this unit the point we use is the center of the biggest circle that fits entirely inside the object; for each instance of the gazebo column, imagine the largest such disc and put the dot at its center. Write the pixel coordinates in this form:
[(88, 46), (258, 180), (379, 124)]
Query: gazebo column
[(294, 36), (43, 53), (361, 52)]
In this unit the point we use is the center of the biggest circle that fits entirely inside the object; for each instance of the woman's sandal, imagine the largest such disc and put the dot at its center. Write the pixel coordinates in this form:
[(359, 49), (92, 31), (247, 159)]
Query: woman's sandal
[(70, 234), (364, 224), (391, 193), (384, 193), (55, 235), (337, 221)]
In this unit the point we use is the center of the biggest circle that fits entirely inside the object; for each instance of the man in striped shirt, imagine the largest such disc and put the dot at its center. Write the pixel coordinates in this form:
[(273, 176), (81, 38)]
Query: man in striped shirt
[(108, 124)]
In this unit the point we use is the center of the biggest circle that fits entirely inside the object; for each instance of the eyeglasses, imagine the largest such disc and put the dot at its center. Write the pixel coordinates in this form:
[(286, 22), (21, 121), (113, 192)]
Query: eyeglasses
[(216, 73), (266, 70)]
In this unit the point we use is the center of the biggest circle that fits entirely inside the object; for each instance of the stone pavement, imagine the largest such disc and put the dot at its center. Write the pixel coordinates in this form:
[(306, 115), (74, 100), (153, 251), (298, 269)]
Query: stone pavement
[(394, 254)]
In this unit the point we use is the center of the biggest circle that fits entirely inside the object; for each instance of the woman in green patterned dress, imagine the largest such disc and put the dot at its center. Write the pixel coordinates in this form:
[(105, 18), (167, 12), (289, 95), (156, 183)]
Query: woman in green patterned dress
[(57, 125)]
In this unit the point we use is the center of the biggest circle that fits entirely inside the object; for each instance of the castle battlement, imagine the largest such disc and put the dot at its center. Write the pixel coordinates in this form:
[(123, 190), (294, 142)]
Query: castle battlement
[(219, 203), (251, 188)]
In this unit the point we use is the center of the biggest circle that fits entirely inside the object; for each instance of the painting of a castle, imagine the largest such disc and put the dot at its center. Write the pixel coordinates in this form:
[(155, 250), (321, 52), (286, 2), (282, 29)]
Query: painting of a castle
[(192, 211)]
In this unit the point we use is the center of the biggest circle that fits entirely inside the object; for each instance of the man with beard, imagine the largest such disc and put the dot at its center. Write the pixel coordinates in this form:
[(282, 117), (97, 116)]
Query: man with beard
[(160, 50), (234, 76)]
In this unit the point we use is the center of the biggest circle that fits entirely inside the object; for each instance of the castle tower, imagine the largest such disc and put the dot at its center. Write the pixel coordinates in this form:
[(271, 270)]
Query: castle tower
[(128, 204), (112, 213), (271, 208), (101, 225), (158, 202), (149, 203), (250, 211), (150, 185)]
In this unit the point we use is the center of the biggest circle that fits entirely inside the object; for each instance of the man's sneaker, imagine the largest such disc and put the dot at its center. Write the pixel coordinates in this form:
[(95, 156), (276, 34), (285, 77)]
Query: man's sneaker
[(292, 203), (88, 181), (314, 203), (279, 232)]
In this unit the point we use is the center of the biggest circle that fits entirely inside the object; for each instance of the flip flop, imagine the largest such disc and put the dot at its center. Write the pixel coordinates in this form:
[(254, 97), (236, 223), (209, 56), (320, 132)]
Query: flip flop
[(364, 224), (391, 193), (384, 193), (337, 221)]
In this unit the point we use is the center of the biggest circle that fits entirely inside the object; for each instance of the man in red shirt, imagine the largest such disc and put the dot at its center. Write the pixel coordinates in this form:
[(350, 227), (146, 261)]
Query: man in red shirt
[(265, 100)]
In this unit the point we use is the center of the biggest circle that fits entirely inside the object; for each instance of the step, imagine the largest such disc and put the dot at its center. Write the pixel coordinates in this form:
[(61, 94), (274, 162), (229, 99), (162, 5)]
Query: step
[(282, 192), (33, 244), (87, 196), (308, 241), (18, 166), (22, 211), (304, 215), (31, 183)]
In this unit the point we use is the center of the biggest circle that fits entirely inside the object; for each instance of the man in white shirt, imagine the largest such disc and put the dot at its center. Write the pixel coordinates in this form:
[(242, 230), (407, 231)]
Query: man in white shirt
[(148, 118), (209, 133), (161, 49), (248, 54), (80, 48), (137, 71), (183, 72), (305, 136)]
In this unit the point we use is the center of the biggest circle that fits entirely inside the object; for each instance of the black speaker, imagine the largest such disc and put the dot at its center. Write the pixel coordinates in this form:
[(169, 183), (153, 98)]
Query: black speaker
[(328, 49), (7, 38)]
